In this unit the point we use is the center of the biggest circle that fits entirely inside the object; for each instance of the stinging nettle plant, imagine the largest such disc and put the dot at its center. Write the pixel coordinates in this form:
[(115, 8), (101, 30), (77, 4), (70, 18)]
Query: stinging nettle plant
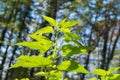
[(51, 69), (107, 75)]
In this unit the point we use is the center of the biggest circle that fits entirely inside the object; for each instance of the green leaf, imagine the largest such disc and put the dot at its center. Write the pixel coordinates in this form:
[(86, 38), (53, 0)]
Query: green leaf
[(44, 30), (31, 62), (39, 38), (69, 24), (100, 72), (62, 22), (81, 69), (88, 47), (22, 79), (42, 46), (112, 70), (69, 50), (31, 45), (53, 74), (70, 37), (93, 79), (25, 79), (114, 77), (51, 21), (42, 74), (65, 30), (72, 66)]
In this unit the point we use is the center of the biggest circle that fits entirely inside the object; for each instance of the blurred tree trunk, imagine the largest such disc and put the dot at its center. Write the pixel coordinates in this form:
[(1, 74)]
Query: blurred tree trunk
[(21, 28), (1, 44)]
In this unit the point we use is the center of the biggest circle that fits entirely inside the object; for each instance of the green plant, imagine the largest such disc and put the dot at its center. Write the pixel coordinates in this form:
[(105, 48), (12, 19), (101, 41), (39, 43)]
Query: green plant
[(107, 75), (22, 79), (52, 68)]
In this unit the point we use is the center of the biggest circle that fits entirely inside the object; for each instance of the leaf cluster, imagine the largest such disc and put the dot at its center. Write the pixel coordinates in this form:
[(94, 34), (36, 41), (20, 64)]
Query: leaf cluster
[(73, 46)]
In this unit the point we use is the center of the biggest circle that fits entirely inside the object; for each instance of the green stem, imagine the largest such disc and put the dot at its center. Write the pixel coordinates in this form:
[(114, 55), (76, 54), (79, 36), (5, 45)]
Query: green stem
[(55, 47)]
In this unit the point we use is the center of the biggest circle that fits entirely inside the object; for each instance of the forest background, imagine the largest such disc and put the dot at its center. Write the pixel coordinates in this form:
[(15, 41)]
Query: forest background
[(99, 27)]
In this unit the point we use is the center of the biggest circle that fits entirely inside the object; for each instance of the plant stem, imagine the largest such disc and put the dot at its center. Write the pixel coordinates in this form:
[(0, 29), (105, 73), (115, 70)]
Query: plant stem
[(55, 47)]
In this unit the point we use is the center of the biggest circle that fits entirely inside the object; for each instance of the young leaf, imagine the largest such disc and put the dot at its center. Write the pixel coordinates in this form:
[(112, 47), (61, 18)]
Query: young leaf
[(57, 73), (65, 30), (43, 74), (53, 74), (31, 62), (51, 21), (112, 70), (62, 22), (72, 66), (68, 65), (81, 69), (38, 38), (114, 77), (87, 47), (69, 50), (100, 72), (25, 79), (72, 36), (31, 45), (93, 79), (69, 24), (42, 46), (44, 30)]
